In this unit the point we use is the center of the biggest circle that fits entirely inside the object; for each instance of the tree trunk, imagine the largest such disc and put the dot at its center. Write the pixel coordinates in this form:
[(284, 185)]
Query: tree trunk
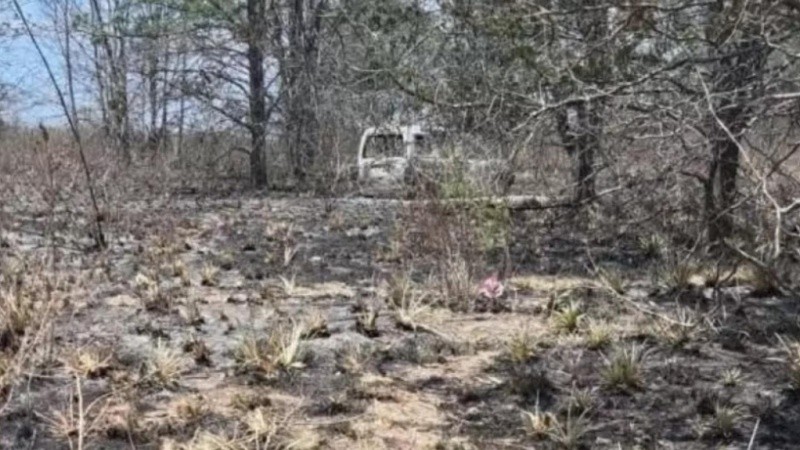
[(256, 15), (117, 97), (722, 184), (736, 79), (300, 71), (68, 63), (579, 127)]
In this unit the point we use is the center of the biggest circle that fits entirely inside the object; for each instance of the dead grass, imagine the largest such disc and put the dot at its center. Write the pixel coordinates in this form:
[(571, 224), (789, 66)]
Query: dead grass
[(165, 365), (472, 374), (280, 350), (89, 362), (208, 276)]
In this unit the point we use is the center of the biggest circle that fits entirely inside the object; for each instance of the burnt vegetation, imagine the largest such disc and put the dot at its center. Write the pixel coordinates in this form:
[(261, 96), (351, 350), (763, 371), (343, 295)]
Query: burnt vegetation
[(273, 224)]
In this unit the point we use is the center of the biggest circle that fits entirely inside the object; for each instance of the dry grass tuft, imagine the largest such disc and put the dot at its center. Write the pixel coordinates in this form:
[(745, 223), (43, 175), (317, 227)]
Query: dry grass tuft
[(262, 426), (598, 334), (580, 401), (165, 365), (723, 422), (89, 362), (208, 276), (624, 368), (681, 276), (190, 313), (458, 286), (400, 286), (521, 347), (199, 351), (355, 359), (149, 290), (538, 424), (792, 350), (680, 329), (17, 311), (409, 312), (206, 440), (282, 349), (569, 433), (289, 285), (190, 409), (367, 322), (315, 325)]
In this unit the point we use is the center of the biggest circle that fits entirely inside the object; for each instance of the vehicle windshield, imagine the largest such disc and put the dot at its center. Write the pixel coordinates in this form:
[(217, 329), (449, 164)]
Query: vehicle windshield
[(384, 146)]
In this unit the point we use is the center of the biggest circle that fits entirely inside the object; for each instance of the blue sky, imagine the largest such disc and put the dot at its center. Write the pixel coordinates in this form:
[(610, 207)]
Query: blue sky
[(21, 67)]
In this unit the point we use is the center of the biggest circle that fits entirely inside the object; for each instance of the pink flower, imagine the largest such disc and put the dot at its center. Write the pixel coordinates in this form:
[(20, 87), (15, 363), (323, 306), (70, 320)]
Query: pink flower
[(491, 287)]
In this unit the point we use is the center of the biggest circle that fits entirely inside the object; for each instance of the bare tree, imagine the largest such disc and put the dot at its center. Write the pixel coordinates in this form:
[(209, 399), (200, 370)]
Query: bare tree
[(113, 66)]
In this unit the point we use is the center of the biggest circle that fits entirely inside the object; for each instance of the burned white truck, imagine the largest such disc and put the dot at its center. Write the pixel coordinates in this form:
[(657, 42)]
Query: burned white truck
[(392, 159)]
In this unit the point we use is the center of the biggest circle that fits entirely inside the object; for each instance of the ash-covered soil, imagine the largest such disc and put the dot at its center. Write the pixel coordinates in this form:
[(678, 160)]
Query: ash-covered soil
[(187, 283)]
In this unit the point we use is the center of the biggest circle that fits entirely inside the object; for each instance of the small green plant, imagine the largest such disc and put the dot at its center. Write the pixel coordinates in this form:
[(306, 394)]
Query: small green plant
[(792, 350), (623, 369), (579, 401), (569, 434), (731, 377), (652, 246), (521, 347), (568, 318), (455, 182), (598, 334), (680, 330), (725, 420)]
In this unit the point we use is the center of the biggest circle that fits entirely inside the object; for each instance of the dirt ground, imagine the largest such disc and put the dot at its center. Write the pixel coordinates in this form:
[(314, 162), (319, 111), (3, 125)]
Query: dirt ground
[(147, 346)]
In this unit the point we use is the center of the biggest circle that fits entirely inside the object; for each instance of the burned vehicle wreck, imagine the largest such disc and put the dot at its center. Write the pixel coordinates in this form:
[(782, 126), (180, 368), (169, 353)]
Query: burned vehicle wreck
[(394, 160)]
